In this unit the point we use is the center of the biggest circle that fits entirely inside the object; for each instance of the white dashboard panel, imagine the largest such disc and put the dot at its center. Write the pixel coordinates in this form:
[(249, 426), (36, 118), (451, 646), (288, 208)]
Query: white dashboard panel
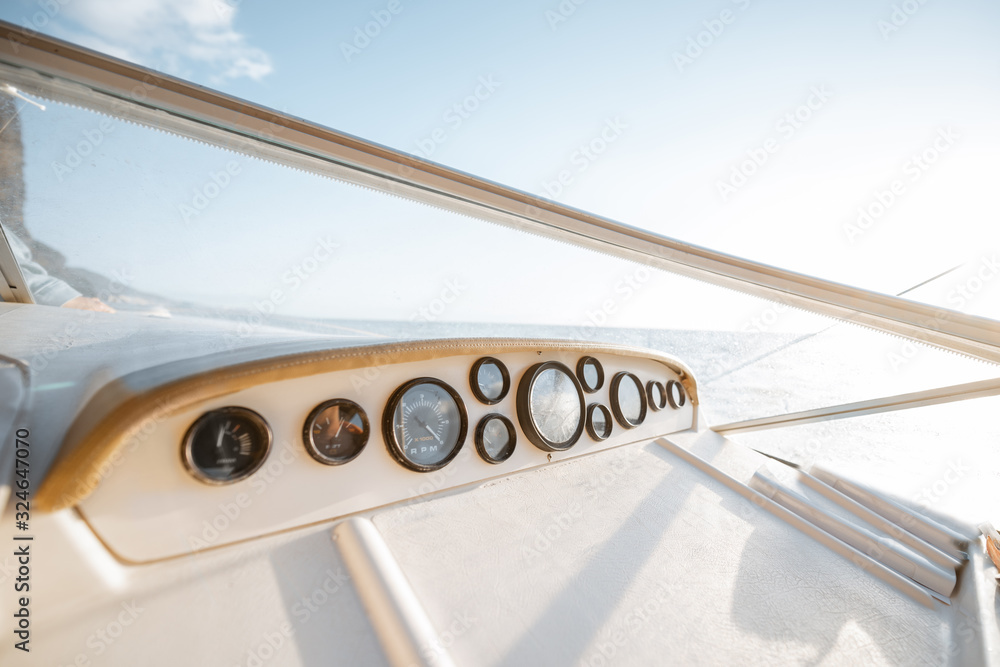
[(149, 507)]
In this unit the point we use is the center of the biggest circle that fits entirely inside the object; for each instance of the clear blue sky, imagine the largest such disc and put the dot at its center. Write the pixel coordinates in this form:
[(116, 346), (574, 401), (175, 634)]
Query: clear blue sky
[(678, 97)]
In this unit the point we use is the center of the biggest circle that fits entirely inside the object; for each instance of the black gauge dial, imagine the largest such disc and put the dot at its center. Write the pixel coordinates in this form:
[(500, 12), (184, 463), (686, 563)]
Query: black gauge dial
[(599, 423), (628, 399), (336, 431), (656, 395), (424, 424), (495, 438), (489, 380), (591, 374), (226, 445), (550, 406), (675, 394)]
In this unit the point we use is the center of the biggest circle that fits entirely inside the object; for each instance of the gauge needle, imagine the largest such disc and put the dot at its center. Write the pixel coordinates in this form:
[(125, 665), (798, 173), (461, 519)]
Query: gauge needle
[(222, 432), (429, 430)]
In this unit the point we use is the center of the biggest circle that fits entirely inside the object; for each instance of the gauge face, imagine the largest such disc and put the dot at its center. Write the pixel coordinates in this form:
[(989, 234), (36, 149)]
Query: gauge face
[(656, 395), (336, 431), (675, 394), (489, 380), (550, 406), (628, 399), (424, 424), (226, 445), (495, 438), (591, 374), (598, 422)]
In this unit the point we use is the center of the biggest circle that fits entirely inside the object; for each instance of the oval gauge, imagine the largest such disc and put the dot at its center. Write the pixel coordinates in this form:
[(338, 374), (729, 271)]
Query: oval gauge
[(550, 406), (675, 394), (226, 445), (591, 374), (598, 422), (336, 431), (628, 399), (656, 395), (495, 438), (489, 380), (424, 424)]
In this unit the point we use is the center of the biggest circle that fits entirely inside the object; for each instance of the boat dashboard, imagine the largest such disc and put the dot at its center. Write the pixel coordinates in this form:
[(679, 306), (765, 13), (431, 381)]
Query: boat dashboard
[(167, 461)]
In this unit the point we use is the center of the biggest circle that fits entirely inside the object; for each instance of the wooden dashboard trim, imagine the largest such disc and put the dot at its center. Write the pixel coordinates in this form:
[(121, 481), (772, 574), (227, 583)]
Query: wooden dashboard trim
[(128, 405)]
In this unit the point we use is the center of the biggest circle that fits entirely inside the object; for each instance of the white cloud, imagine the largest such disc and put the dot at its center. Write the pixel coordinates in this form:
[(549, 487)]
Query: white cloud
[(171, 35)]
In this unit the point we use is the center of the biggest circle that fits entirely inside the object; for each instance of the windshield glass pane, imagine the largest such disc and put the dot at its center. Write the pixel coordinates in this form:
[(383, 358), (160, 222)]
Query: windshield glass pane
[(151, 222), (852, 141)]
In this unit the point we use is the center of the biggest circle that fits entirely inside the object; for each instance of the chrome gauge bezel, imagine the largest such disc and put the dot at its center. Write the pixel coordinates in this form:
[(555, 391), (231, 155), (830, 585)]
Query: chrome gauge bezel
[(396, 449), (681, 399), (527, 419), (656, 395), (263, 449), (592, 430), (481, 445), (474, 380), (581, 375), (616, 408), (308, 438)]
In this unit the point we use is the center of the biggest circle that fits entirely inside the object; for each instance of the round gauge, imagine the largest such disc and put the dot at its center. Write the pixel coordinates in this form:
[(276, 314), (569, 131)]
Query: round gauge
[(495, 438), (550, 406), (226, 445), (489, 380), (656, 395), (598, 422), (335, 431), (628, 399), (591, 374), (424, 424), (675, 394)]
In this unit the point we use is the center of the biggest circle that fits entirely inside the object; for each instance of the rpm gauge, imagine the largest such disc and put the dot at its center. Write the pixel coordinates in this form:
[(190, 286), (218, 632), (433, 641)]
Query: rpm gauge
[(336, 431), (226, 445), (550, 406), (424, 424)]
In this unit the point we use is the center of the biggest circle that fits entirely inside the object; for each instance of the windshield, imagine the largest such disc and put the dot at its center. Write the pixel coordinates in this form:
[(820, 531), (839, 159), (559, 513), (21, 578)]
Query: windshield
[(137, 216), (851, 141)]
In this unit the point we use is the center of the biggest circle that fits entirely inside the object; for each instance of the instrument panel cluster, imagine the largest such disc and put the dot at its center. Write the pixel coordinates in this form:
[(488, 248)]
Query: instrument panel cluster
[(425, 421)]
